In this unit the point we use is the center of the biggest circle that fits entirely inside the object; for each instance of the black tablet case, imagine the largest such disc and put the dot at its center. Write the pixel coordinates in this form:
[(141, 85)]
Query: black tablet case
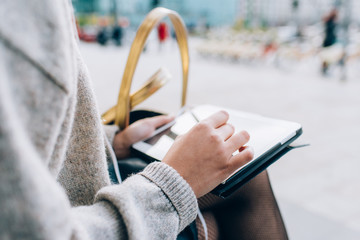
[(243, 175)]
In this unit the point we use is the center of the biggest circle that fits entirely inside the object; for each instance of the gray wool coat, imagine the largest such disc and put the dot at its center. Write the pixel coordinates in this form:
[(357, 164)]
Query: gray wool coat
[(54, 182)]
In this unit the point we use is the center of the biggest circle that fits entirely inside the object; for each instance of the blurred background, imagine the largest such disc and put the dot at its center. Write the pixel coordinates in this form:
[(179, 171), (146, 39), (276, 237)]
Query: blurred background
[(291, 59)]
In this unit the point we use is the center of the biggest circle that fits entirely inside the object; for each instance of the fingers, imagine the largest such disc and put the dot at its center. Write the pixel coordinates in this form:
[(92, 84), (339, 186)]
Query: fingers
[(246, 153), (158, 121), (225, 131), (142, 129), (217, 119), (240, 159), (237, 140)]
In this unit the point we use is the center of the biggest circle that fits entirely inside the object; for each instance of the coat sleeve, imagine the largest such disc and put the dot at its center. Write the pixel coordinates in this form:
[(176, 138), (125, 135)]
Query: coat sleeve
[(155, 204)]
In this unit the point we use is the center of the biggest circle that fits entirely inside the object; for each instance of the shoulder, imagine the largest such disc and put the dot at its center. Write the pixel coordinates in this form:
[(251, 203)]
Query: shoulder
[(40, 32)]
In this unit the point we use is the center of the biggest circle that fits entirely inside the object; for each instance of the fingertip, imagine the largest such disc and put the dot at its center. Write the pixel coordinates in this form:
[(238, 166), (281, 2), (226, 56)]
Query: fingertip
[(217, 119), (171, 117), (249, 153), (225, 113), (245, 134), (163, 119), (245, 155)]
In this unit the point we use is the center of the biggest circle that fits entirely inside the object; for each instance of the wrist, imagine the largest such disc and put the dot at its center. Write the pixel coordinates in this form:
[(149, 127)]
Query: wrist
[(176, 188), (121, 146)]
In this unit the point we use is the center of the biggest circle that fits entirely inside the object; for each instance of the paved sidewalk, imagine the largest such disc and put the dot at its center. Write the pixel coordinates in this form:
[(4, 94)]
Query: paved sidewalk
[(317, 187)]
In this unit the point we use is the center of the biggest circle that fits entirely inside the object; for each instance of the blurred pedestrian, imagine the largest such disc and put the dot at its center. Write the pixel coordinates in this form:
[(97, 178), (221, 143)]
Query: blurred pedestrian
[(330, 24), (117, 35), (102, 37), (163, 33)]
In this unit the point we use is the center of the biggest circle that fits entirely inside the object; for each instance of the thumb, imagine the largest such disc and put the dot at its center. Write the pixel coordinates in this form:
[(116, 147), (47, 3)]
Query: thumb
[(143, 129)]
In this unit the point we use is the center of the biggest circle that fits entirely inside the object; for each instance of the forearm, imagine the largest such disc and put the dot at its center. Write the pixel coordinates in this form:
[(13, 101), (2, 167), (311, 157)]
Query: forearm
[(34, 206), (139, 208), (155, 204)]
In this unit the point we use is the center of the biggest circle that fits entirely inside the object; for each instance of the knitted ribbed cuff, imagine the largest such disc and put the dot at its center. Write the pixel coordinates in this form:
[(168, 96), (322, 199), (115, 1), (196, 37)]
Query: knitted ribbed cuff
[(176, 189)]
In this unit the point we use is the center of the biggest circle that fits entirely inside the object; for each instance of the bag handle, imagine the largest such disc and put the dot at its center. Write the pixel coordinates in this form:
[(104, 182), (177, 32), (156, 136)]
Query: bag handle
[(154, 83), (123, 106)]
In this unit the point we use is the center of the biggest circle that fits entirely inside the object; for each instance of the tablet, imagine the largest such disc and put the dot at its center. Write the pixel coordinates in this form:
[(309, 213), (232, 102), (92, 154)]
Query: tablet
[(270, 139)]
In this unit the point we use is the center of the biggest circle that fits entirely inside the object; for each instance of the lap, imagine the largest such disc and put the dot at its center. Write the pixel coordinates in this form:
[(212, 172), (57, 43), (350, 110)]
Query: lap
[(249, 213)]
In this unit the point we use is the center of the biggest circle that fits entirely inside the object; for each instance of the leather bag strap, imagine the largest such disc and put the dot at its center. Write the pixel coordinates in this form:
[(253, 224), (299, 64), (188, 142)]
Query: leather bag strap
[(124, 105)]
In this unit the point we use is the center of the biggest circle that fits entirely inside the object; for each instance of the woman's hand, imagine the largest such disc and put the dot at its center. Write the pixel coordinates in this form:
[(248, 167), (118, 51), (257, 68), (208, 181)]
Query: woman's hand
[(137, 131), (203, 156)]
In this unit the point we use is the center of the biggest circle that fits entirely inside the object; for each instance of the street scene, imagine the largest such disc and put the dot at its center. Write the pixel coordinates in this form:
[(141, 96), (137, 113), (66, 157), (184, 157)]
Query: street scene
[(292, 67), (317, 186)]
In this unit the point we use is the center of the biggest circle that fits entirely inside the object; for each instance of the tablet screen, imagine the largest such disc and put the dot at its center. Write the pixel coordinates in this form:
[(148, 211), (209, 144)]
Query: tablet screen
[(264, 132)]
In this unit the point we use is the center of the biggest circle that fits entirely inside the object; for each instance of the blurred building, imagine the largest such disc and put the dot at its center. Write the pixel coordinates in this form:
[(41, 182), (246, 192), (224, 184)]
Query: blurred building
[(205, 12), (219, 13), (200, 12), (283, 12), (86, 6)]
